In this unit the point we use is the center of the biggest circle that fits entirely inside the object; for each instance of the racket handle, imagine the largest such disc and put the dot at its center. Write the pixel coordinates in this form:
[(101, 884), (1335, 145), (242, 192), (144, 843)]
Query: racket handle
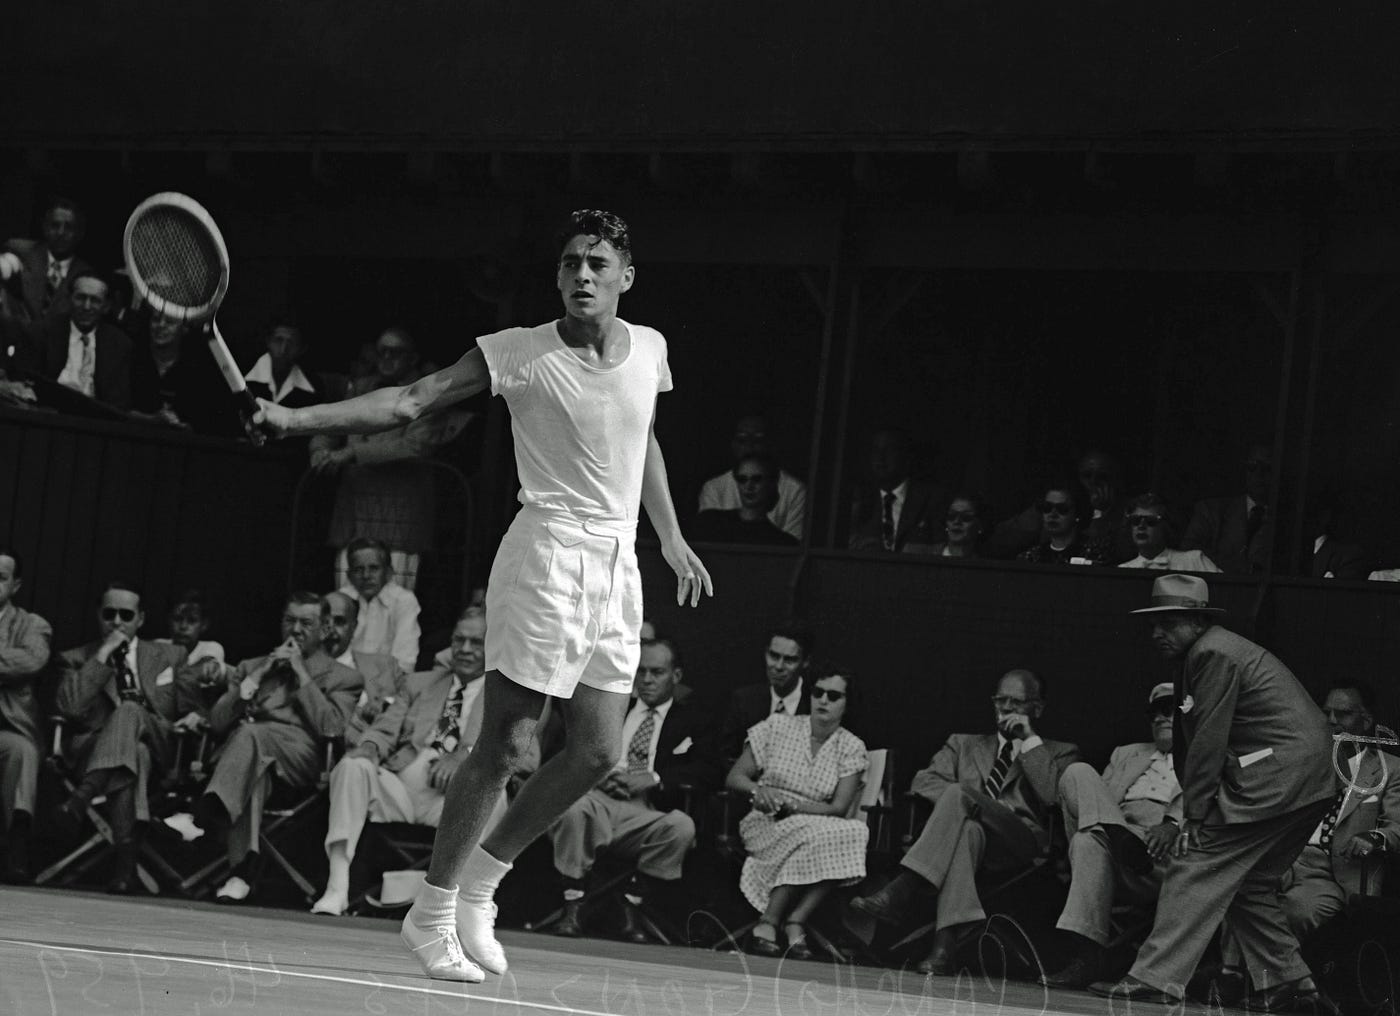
[(233, 377)]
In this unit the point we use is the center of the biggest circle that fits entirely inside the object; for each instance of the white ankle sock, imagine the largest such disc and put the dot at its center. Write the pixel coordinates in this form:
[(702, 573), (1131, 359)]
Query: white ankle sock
[(481, 875), (434, 907)]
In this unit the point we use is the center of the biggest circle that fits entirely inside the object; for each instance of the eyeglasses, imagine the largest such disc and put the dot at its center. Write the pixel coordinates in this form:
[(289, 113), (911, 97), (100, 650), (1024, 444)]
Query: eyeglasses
[(113, 613), (830, 694), (1150, 521), (1008, 702), (962, 517), (1055, 508)]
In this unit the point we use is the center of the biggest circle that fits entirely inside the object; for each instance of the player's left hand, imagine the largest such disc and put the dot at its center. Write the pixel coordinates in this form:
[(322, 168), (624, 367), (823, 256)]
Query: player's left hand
[(691, 576)]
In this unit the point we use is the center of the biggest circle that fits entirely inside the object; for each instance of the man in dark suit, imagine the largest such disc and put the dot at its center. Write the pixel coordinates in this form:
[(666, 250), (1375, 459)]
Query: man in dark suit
[(897, 513), (635, 810), (83, 352), (1118, 824), (274, 711), (1255, 763), (24, 652), (122, 696), (384, 678), (786, 661), (47, 268), (1237, 533), (994, 802)]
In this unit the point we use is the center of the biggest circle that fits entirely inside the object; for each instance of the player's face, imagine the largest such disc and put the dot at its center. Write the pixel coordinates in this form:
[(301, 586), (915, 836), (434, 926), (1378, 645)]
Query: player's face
[(9, 584), (469, 648), (61, 232), (89, 302), (657, 675), (592, 278), (120, 611)]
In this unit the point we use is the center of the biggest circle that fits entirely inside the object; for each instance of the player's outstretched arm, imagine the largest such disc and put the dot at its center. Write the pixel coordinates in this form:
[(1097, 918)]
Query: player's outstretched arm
[(383, 408), (691, 576)]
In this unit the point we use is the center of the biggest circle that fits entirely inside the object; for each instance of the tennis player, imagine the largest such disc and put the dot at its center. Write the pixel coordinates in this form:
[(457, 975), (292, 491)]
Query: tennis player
[(564, 599)]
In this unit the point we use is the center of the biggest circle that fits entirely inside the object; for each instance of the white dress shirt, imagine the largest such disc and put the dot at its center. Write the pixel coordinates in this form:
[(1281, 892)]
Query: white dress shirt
[(80, 370), (388, 624), (790, 701), (262, 373), (1174, 560), (629, 730)]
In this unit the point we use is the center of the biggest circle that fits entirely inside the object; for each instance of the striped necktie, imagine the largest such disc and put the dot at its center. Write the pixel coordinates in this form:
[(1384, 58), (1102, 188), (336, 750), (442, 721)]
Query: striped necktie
[(639, 748), (997, 777)]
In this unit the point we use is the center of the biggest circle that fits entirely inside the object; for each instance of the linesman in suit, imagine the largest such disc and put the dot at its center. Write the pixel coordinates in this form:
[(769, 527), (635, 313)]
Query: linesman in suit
[(1254, 756)]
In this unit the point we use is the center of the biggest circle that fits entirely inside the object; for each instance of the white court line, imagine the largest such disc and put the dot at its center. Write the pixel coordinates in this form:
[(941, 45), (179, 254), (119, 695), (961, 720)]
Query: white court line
[(249, 968)]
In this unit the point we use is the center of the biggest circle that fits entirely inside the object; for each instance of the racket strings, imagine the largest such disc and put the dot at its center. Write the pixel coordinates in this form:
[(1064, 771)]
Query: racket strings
[(175, 256)]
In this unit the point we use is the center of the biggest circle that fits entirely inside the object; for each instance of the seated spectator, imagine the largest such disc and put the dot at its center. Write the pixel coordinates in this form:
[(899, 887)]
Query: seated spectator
[(721, 493), (994, 798), (1149, 522), (1061, 538), (895, 512), (756, 477), (1329, 557), (81, 351), (802, 775), (786, 659), (277, 376), (24, 652), (204, 661), (1099, 480), (966, 522), (175, 380), (383, 677), (399, 770), (635, 811), (44, 270), (122, 697), (1237, 532), (274, 711), (388, 613), (383, 492), (1121, 826)]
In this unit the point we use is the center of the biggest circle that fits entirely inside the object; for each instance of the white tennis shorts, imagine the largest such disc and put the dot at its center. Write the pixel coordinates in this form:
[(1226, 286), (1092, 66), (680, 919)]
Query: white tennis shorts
[(564, 604)]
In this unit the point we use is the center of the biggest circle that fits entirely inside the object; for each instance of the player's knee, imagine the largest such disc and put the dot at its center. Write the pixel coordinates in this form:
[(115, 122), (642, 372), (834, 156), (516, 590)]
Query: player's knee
[(593, 758)]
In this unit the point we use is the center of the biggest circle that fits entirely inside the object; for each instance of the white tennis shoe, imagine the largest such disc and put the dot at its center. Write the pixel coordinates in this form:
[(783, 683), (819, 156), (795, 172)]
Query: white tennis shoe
[(440, 952), (476, 929)]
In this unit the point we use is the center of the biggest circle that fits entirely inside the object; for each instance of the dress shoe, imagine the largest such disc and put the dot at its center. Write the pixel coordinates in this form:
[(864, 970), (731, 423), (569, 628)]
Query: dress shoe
[(440, 952), (761, 945), (797, 949), (124, 881), (1130, 989), (890, 904), (940, 962), (571, 924), (1083, 969), (633, 928), (67, 819), (17, 870), (1291, 998)]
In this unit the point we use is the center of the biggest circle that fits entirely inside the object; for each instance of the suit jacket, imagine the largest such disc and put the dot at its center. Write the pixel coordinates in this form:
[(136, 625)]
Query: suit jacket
[(409, 723), (1343, 560), (1129, 762), (1219, 526), (24, 653), (112, 377), (87, 689), (34, 254), (686, 755), (1257, 746), (1363, 813), (383, 682), (749, 705), (321, 706), (1032, 784), (920, 519)]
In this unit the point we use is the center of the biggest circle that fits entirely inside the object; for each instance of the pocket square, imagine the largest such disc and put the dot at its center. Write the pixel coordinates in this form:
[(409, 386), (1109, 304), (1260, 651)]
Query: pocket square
[(683, 747), (166, 676), (1187, 704), (1248, 760), (1373, 799)]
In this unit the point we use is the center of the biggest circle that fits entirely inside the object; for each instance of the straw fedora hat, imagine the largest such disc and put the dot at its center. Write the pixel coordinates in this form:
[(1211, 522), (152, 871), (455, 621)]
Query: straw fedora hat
[(1179, 594)]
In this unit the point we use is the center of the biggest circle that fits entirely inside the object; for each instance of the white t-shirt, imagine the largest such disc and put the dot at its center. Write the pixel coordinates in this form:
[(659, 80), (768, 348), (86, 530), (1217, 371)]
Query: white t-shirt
[(580, 431)]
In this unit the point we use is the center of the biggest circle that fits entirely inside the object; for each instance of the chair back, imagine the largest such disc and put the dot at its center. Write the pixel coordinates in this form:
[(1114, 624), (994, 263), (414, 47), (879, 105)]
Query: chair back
[(872, 784)]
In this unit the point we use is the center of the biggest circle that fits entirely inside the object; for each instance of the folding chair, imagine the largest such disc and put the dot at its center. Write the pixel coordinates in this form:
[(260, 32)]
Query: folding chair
[(404, 844)]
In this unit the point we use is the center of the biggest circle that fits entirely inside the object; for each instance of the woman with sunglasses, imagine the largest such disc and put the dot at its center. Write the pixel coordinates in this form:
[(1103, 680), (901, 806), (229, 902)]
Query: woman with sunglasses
[(966, 523), (1062, 539), (1149, 523), (802, 774)]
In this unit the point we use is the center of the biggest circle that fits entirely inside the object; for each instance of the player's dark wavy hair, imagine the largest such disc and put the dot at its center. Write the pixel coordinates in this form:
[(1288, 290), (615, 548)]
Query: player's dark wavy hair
[(602, 224)]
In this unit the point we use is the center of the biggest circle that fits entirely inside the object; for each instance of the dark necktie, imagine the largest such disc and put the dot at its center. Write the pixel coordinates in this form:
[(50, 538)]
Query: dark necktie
[(1329, 821), (1254, 524), (52, 283), (996, 779), (887, 520), (639, 748), (448, 730), (780, 708), (127, 686)]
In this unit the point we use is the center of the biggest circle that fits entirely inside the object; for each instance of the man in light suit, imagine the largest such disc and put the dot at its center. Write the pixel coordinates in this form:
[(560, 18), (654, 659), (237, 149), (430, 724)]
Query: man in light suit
[(1237, 533), (786, 660), (82, 351), (994, 802), (121, 696), (44, 270), (274, 711), (1118, 825), (399, 769), (897, 513), (1255, 762), (635, 810), (24, 652), (383, 677)]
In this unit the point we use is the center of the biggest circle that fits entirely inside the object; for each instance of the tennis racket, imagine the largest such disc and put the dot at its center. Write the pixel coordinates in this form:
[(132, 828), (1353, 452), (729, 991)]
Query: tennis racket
[(178, 263)]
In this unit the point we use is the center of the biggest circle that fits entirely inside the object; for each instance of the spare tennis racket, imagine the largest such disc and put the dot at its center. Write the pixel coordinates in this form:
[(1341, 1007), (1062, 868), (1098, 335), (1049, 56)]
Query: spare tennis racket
[(178, 263)]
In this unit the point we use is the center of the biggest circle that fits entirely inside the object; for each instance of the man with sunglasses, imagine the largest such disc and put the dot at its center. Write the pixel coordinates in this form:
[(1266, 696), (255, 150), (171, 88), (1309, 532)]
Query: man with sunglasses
[(1147, 521), (1121, 828), (1237, 532), (994, 798), (121, 696), (24, 652), (756, 478)]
